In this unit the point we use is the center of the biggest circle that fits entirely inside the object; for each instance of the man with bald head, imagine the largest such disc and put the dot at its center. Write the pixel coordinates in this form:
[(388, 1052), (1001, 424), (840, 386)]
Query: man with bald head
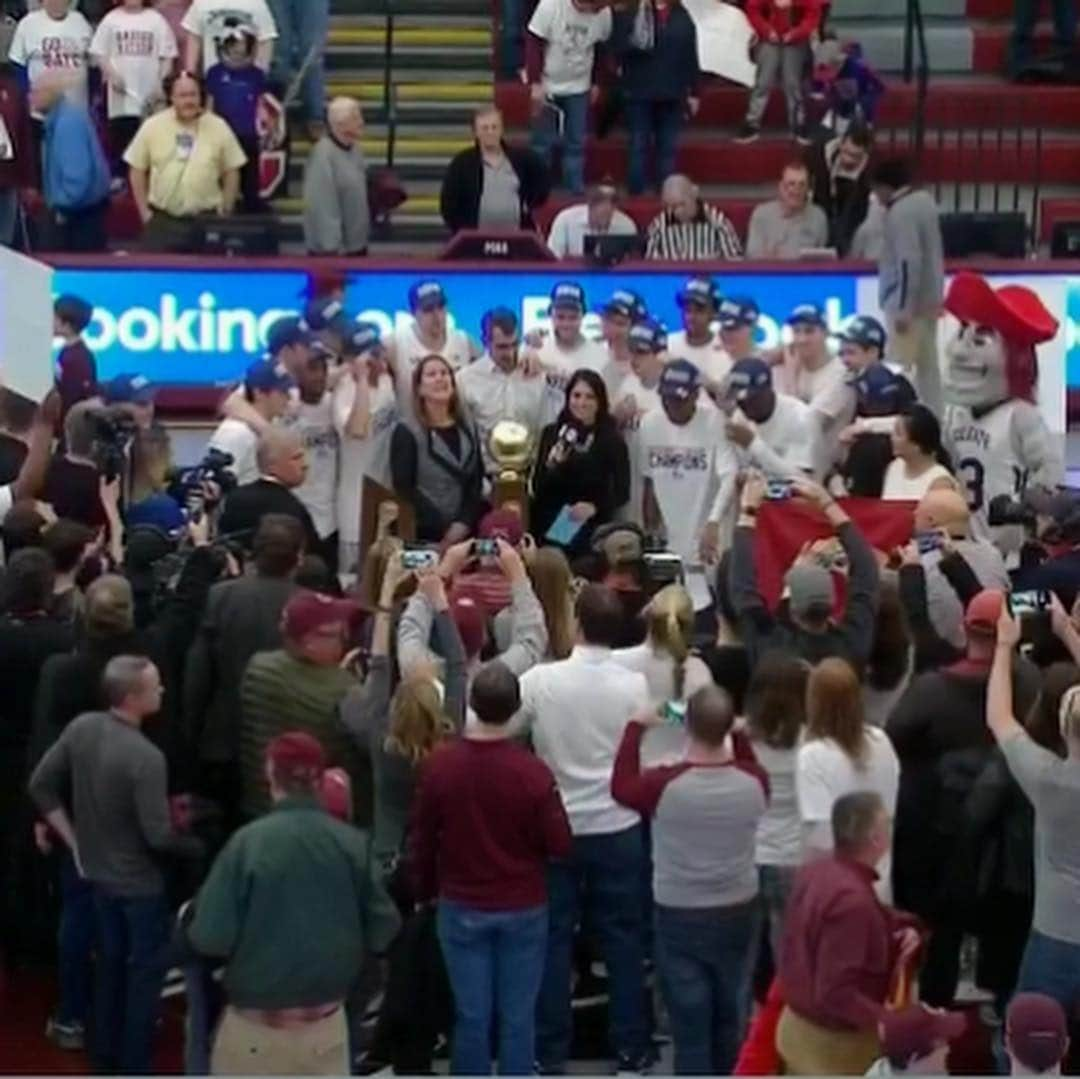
[(282, 465), (944, 514), (688, 229), (337, 218)]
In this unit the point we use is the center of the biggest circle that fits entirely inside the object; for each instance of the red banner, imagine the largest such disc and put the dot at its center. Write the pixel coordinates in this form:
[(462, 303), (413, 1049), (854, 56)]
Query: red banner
[(783, 528)]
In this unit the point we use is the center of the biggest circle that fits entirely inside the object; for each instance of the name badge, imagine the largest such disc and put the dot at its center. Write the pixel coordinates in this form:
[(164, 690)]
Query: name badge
[(185, 144)]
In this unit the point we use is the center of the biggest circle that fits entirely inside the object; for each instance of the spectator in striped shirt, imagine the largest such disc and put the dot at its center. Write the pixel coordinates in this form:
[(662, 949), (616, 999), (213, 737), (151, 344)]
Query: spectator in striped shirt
[(688, 228)]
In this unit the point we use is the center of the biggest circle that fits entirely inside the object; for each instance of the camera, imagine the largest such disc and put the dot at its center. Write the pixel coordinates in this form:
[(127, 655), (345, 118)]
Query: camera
[(929, 541), (778, 490), (1004, 510), (114, 430), (485, 548), (416, 558), (189, 485)]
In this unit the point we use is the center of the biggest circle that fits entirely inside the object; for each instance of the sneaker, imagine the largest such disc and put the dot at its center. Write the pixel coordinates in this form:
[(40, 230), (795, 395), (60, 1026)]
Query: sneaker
[(642, 1065), (802, 136), (748, 133), (68, 1036)]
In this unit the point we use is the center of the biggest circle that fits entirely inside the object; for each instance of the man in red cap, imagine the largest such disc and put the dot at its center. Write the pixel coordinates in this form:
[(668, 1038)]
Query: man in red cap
[(1036, 1035), (300, 687), (289, 904), (915, 1041), (997, 435)]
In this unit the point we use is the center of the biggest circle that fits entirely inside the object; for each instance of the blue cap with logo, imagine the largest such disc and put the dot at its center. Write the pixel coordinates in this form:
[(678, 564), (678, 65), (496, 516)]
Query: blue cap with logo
[(568, 294), (267, 376), (735, 311), (326, 314), (748, 377), (680, 379), (362, 337), (864, 331), (426, 296), (882, 392), (157, 511), (129, 390), (286, 332), (807, 314), (625, 302), (647, 336), (698, 291)]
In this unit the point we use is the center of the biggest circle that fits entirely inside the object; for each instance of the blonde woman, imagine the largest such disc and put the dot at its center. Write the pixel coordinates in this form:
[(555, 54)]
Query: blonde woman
[(673, 674), (553, 582), (841, 754)]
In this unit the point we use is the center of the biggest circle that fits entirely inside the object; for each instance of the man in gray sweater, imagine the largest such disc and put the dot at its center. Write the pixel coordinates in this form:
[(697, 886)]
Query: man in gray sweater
[(911, 275), (103, 788), (337, 219)]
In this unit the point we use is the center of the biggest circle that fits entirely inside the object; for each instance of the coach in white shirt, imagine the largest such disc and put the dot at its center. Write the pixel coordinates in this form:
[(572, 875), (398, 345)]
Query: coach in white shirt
[(577, 710), (599, 215), (498, 386)]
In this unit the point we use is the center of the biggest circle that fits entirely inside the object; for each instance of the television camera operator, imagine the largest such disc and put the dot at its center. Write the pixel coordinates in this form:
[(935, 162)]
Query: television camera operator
[(1050, 555)]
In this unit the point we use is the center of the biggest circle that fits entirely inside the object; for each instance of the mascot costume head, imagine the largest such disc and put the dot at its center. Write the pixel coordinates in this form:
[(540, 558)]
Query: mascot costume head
[(992, 358)]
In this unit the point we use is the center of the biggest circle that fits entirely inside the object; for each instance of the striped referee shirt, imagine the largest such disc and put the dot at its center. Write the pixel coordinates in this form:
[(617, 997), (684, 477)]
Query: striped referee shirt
[(709, 236)]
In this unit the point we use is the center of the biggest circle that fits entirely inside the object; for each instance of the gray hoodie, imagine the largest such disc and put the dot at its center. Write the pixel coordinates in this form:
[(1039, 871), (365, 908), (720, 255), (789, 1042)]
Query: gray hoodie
[(911, 268)]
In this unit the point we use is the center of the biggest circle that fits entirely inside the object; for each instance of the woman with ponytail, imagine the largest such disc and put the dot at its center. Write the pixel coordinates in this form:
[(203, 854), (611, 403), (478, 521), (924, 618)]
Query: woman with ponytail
[(673, 674)]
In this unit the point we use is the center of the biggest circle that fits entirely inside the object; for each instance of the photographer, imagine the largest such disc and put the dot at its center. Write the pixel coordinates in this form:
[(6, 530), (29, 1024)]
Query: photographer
[(1058, 541), (73, 481)]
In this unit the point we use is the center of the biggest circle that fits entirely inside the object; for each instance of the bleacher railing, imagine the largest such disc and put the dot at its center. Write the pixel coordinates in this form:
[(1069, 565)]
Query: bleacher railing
[(389, 89), (915, 49)]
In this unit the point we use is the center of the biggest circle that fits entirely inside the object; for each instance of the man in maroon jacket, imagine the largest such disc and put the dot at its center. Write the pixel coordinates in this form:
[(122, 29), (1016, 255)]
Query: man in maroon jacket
[(17, 167), (842, 948)]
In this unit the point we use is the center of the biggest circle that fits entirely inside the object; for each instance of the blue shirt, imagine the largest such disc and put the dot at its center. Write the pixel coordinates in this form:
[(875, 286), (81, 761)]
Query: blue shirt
[(76, 174), (236, 92)]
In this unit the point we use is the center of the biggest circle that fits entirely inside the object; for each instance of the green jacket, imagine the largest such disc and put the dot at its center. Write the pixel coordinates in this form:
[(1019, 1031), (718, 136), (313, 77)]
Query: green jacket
[(290, 904), (280, 693)]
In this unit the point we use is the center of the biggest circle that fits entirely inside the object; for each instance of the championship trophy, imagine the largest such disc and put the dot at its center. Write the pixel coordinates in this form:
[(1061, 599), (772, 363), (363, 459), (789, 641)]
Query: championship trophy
[(511, 447)]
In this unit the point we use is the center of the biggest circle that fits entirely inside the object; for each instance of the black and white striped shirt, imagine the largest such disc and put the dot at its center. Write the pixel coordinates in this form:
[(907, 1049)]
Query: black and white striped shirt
[(709, 236)]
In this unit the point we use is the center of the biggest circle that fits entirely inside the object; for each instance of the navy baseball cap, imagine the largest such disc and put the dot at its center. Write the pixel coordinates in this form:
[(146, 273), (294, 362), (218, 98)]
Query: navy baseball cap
[(680, 379), (807, 314), (74, 310), (326, 314), (882, 392), (568, 294), (362, 337), (426, 296), (129, 390), (735, 311), (699, 291), (748, 377), (266, 375), (647, 336), (157, 511), (864, 331), (287, 331), (626, 302)]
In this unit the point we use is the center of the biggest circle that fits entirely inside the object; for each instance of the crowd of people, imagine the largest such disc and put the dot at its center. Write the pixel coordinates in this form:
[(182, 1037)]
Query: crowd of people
[(336, 693)]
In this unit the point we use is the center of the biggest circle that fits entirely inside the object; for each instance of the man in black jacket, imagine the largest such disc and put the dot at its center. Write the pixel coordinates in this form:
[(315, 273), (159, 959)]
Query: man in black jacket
[(840, 180), (493, 185)]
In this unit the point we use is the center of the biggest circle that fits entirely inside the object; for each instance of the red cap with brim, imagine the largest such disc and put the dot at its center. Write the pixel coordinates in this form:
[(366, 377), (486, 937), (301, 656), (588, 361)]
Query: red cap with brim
[(296, 754), (1015, 312), (308, 611), (983, 612)]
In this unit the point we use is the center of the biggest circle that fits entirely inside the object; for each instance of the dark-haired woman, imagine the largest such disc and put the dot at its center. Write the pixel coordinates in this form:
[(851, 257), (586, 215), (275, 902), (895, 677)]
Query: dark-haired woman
[(582, 467), (435, 460), (920, 463)]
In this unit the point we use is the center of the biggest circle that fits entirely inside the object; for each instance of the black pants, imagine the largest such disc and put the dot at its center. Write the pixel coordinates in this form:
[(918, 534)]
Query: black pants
[(250, 200), (170, 235), (122, 130), (77, 230)]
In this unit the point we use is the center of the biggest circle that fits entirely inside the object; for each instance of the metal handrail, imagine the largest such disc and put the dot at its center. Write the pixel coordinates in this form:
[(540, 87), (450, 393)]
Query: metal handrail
[(915, 41), (389, 89)]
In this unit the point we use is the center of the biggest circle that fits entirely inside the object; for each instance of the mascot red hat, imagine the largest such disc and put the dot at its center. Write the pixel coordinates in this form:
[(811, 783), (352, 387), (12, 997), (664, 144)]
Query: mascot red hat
[(1017, 315)]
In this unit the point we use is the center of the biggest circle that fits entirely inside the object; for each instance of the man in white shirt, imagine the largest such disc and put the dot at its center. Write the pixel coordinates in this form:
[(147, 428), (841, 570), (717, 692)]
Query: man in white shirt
[(560, 50), (55, 38), (697, 341), (576, 710), (313, 419), (689, 470), (738, 317), (208, 21), (267, 386), (598, 215), (429, 334), (498, 387), (774, 431), (617, 316)]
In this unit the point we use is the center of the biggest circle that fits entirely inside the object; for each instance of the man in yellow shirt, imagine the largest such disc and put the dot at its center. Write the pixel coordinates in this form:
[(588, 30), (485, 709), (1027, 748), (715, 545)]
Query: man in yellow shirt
[(184, 163)]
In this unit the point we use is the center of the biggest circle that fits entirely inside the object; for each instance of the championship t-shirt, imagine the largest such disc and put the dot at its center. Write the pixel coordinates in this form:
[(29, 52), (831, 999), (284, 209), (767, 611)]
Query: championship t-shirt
[(135, 43), (645, 399), (42, 43), (213, 19), (318, 492), (571, 37)]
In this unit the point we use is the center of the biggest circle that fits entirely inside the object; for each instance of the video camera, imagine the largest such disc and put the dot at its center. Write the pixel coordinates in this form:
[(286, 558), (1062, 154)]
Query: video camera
[(114, 431), (189, 485)]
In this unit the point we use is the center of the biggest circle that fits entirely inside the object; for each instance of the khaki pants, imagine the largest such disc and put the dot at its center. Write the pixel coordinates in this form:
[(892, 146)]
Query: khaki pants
[(807, 1049), (244, 1047), (917, 352)]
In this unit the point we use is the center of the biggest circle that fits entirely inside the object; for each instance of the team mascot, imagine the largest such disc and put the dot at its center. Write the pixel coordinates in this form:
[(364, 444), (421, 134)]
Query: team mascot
[(999, 441)]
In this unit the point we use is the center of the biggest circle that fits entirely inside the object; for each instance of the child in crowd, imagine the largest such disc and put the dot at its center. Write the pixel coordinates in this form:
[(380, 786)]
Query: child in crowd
[(135, 48), (76, 368), (848, 86), (234, 85)]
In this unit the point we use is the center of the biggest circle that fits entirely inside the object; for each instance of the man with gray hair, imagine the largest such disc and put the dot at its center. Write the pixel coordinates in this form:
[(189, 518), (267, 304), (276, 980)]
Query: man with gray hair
[(337, 219), (103, 788), (688, 229)]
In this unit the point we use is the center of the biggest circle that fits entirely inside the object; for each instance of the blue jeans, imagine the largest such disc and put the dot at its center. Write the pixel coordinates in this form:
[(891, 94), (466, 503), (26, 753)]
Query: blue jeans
[(75, 943), (576, 110), (204, 1005), (511, 38), (495, 960), (652, 122), (302, 24), (1052, 967), (603, 876), (705, 964), (132, 939), (9, 210), (776, 882)]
